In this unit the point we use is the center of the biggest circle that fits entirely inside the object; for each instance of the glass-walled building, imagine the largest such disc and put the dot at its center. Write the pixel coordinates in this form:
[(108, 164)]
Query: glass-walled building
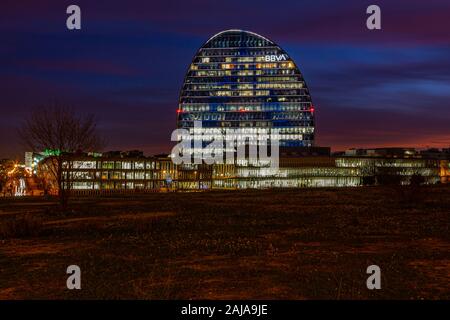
[(107, 174), (241, 80)]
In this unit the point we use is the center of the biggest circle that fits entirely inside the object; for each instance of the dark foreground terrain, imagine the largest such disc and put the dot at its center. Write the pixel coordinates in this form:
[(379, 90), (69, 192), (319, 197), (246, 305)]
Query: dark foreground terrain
[(287, 244)]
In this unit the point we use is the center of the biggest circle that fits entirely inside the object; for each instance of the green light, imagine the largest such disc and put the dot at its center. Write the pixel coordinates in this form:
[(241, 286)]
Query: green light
[(51, 152)]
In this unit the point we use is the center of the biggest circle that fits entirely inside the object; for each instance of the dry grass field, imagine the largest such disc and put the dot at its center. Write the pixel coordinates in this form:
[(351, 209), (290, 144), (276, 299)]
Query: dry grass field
[(272, 244)]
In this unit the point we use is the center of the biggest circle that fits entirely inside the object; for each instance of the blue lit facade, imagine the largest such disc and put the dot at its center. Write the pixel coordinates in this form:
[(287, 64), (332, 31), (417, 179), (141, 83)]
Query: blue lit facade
[(239, 79)]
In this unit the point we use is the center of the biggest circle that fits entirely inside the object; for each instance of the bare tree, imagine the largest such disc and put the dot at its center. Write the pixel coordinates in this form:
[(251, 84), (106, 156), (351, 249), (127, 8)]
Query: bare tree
[(60, 129)]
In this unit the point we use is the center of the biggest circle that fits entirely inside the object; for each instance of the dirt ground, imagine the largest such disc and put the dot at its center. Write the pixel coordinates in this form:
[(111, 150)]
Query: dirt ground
[(272, 244)]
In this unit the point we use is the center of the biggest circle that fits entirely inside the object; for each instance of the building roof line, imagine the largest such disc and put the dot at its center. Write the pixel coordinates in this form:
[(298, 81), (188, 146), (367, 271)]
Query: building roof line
[(238, 30)]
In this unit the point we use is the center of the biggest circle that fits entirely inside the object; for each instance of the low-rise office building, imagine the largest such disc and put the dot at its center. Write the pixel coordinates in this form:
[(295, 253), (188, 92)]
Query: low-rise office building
[(115, 172)]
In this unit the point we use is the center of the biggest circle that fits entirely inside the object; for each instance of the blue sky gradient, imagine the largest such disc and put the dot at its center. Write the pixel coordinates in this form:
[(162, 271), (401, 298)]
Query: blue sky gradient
[(370, 88)]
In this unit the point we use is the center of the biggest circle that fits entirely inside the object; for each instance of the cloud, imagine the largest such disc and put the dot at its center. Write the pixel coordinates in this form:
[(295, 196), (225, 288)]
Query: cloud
[(127, 64)]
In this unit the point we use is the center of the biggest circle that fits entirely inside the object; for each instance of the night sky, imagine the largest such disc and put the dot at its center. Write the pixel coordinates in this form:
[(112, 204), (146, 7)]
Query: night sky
[(127, 64)]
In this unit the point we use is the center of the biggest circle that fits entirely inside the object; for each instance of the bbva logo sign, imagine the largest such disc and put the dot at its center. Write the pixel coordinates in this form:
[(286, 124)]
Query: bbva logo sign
[(275, 57)]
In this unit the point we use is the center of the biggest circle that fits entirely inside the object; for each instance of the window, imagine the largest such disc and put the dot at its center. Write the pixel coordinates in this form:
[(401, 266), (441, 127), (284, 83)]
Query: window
[(139, 165), (108, 165), (83, 165), (139, 175), (126, 165)]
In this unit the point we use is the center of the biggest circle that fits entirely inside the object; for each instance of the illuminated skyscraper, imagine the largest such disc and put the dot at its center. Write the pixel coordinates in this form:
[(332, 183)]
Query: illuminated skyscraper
[(239, 79)]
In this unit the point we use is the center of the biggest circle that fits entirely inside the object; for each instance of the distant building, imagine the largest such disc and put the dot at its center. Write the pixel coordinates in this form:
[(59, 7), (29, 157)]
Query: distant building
[(436, 153), (113, 173), (33, 158), (398, 152), (286, 152), (393, 152)]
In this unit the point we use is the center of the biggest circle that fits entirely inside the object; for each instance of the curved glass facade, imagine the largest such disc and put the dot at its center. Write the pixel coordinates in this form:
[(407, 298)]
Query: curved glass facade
[(239, 79)]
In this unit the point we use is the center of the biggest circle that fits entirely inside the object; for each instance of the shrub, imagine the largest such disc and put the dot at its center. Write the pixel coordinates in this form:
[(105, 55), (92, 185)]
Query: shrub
[(417, 180), (368, 180), (387, 179)]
